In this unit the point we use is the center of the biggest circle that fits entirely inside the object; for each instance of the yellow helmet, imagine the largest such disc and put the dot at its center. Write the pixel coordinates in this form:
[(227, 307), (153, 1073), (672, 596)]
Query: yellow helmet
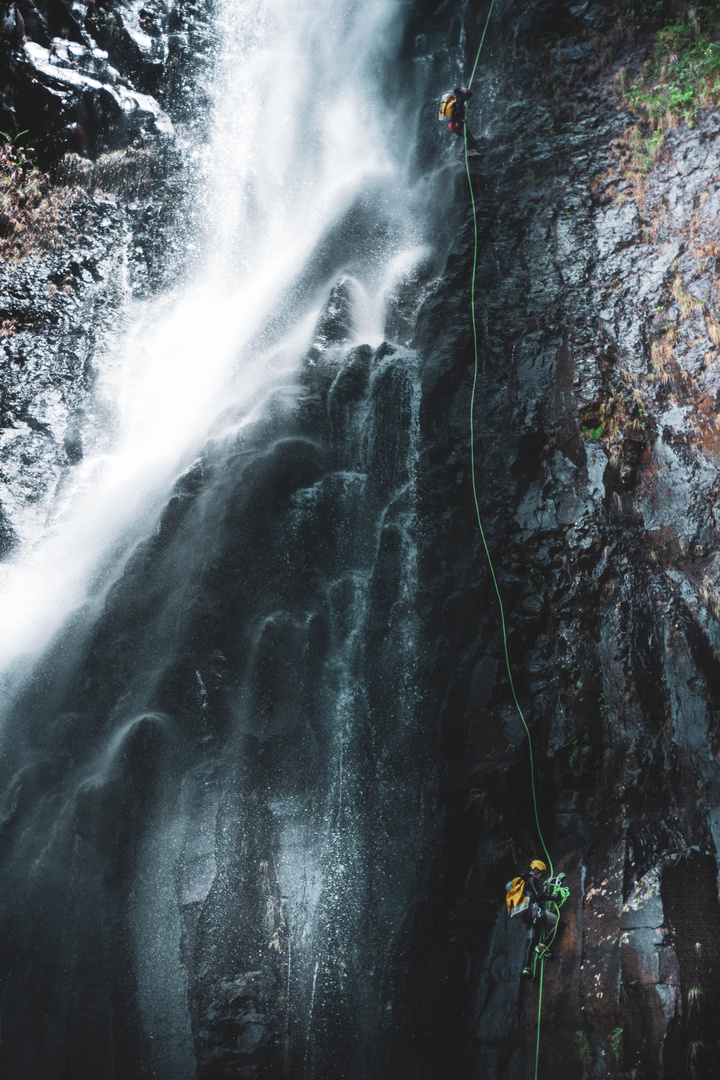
[(536, 864)]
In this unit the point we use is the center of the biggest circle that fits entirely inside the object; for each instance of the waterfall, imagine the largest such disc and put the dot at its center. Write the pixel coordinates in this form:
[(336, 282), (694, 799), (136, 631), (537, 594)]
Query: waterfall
[(300, 178), (212, 769)]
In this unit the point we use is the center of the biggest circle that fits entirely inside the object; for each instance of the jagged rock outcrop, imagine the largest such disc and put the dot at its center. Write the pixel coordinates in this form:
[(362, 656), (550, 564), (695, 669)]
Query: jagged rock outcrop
[(85, 77)]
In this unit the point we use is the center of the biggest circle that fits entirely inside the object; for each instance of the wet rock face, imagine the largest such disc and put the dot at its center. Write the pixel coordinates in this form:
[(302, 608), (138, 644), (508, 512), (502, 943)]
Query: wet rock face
[(167, 774), (85, 77), (46, 368), (116, 241), (595, 423), (596, 446), (59, 316)]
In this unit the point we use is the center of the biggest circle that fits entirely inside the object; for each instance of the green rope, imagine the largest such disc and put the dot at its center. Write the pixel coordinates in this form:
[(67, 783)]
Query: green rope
[(542, 958), (482, 41), (479, 518), (564, 892), (537, 1039), (487, 550), (560, 894)]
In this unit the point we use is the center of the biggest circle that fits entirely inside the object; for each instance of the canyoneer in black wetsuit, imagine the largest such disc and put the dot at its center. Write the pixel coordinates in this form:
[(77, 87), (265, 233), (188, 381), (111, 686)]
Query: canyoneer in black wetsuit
[(453, 108), (531, 905), (458, 117)]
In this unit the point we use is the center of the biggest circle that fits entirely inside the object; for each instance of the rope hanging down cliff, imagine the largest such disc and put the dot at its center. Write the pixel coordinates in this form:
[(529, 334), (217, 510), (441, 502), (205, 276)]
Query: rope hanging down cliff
[(472, 467), (562, 898)]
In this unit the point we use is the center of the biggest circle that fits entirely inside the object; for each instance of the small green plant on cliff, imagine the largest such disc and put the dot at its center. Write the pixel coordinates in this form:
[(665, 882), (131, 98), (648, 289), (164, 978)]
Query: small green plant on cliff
[(512, 848), (584, 1048), (685, 300), (662, 356), (476, 797), (616, 1043), (593, 422), (641, 418), (578, 755)]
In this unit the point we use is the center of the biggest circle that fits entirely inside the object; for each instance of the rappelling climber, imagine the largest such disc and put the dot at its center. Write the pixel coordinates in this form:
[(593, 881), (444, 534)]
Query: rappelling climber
[(453, 108), (458, 119), (527, 896)]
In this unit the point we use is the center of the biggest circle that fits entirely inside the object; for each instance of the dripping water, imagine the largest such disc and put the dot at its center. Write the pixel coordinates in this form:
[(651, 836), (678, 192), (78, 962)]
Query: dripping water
[(210, 757)]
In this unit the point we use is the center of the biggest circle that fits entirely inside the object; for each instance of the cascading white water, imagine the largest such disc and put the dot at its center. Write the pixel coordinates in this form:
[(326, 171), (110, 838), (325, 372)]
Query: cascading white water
[(229, 710), (301, 133)]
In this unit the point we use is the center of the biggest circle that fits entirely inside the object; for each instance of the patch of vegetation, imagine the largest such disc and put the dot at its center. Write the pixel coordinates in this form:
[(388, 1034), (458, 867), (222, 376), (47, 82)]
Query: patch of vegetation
[(680, 76), (512, 848), (623, 415), (128, 172), (584, 1047), (477, 797), (665, 370), (616, 1043), (637, 155), (35, 215), (578, 756), (593, 432), (685, 300)]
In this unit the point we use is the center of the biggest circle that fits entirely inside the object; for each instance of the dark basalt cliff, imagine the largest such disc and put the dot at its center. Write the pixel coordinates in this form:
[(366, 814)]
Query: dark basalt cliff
[(596, 450)]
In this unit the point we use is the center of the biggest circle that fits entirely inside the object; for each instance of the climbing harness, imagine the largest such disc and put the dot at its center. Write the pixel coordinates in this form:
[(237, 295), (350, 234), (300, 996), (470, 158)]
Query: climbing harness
[(561, 892)]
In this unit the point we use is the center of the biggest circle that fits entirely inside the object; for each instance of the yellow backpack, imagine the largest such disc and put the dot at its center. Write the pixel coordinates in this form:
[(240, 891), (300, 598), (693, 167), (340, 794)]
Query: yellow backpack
[(515, 897), (447, 104)]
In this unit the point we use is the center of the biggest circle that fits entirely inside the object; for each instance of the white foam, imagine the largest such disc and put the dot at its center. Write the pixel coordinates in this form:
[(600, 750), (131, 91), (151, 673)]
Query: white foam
[(300, 132)]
